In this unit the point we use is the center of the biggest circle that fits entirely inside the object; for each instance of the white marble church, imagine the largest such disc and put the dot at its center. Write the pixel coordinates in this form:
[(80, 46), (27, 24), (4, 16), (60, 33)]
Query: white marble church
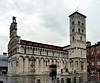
[(29, 57)]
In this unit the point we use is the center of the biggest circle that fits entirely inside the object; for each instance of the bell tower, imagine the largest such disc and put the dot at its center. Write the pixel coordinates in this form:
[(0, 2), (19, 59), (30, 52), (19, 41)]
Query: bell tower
[(14, 38), (78, 34)]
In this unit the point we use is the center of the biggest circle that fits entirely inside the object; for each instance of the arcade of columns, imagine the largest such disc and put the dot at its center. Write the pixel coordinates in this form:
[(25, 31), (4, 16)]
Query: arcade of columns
[(39, 64)]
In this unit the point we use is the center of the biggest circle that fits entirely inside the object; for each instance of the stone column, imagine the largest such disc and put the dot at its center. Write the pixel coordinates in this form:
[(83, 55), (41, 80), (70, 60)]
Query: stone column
[(26, 65), (8, 67), (85, 66), (55, 61), (79, 66), (14, 66), (30, 66), (11, 67), (37, 65), (20, 65), (45, 66), (50, 62), (61, 64), (42, 65), (74, 66), (68, 66)]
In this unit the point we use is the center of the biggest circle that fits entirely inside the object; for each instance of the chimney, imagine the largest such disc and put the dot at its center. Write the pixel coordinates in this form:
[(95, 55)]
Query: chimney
[(4, 54)]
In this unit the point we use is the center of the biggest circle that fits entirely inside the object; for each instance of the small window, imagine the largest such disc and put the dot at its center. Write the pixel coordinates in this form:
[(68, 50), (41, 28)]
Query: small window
[(79, 23), (91, 53), (98, 58), (82, 31), (92, 48), (16, 63), (73, 38), (97, 51), (81, 52), (46, 63), (47, 52), (92, 63), (72, 30), (79, 30), (82, 24), (98, 63), (73, 23), (22, 49), (92, 58), (81, 38)]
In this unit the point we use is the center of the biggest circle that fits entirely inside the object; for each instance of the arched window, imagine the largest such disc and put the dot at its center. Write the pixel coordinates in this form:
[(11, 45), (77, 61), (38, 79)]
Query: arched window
[(81, 38), (91, 53), (46, 63), (33, 50), (82, 24), (40, 51), (92, 63), (79, 23), (79, 30), (77, 63), (72, 30), (47, 52), (98, 63), (25, 50), (22, 49), (73, 23), (30, 50), (82, 31), (97, 51)]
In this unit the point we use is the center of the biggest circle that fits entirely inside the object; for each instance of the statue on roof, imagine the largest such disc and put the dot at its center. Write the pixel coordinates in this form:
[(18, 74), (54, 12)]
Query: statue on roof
[(14, 19)]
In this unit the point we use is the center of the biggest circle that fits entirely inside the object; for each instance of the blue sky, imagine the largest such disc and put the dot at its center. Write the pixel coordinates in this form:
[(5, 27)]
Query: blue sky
[(47, 21)]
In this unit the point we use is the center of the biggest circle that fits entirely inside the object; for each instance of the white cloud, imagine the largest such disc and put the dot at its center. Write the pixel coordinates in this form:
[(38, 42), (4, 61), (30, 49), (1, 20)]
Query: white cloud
[(34, 31), (47, 20)]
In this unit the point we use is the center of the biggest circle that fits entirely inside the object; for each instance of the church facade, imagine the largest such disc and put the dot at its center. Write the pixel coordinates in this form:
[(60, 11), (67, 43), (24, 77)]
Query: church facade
[(27, 57)]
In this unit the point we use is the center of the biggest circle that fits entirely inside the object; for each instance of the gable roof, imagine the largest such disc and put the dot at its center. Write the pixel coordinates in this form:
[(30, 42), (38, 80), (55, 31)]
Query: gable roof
[(36, 44), (76, 12)]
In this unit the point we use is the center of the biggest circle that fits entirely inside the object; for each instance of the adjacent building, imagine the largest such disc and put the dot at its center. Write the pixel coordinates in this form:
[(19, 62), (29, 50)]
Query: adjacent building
[(3, 63), (28, 57), (93, 57)]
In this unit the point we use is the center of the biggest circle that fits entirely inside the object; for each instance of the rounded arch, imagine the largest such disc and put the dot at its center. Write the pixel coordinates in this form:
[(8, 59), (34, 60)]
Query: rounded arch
[(22, 49), (21, 57), (32, 58), (27, 57), (37, 58)]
